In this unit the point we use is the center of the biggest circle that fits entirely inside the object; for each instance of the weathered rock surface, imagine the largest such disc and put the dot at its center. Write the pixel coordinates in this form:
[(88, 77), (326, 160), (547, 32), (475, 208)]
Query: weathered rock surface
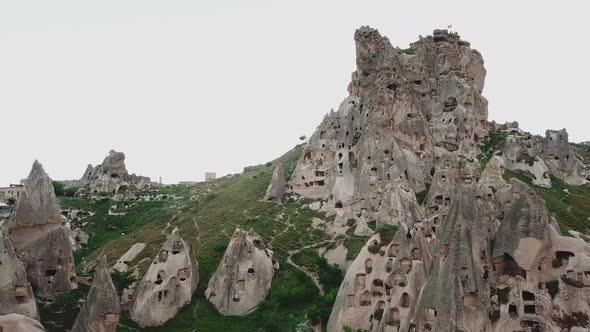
[(16, 293), (19, 323), (243, 277), (479, 253), (168, 285), (278, 184), (102, 310), (405, 110), (42, 243), (37, 211), (112, 177)]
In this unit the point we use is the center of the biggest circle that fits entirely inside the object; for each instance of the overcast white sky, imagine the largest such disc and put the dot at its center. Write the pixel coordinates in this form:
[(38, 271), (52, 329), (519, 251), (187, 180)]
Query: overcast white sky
[(184, 87)]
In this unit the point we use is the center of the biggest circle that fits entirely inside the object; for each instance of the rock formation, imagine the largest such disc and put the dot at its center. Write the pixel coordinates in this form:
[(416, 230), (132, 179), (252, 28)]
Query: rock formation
[(479, 253), (278, 184), (112, 177), (101, 311), (42, 243), (168, 285), (19, 323), (16, 294), (243, 277), (405, 110)]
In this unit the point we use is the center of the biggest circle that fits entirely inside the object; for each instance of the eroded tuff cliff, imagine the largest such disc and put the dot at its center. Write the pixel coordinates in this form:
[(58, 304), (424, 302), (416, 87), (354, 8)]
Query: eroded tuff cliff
[(168, 285), (112, 177), (243, 277), (42, 243), (480, 253)]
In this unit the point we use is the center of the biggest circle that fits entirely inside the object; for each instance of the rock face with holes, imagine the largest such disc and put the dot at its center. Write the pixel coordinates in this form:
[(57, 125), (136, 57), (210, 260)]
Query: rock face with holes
[(42, 243), (243, 277), (168, 285), (102, 310), (475, 252), (542, 157), (19, 323), (278, 184), (112, 177), (16, 293), (406, 110)]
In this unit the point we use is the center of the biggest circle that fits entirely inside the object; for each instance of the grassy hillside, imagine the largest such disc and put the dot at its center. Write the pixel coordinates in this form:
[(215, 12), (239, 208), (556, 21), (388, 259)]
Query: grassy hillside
[(208, 221), (570, 205)]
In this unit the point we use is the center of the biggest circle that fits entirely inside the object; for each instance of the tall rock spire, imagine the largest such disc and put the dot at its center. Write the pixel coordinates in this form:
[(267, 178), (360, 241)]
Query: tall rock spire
[(42, 243), (102, 310)]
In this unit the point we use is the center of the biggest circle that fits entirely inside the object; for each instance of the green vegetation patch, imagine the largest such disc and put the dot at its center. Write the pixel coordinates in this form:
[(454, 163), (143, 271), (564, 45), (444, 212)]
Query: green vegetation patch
[(570, 205)]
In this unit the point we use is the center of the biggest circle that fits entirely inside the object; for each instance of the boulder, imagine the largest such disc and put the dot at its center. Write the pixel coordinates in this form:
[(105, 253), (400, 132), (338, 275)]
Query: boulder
[(168, 285), (278, 185), (243, 277), (19, 323), (16, 293), (102, 310)]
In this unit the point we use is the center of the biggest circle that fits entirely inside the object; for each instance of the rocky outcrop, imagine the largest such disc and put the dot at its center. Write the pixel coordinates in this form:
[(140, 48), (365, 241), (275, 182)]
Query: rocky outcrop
[(37, 211), (16, 294), (19, 323), (243, 277), (476, 252), (406, 109), (278, 184), (112, 177), (42, 243), (561, 159), (168, 285), (101, 311)]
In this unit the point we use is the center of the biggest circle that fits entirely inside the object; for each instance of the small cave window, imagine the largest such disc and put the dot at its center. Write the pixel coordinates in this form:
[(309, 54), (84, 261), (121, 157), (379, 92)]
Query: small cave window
[(50, 272), (251, 272), (530, 309), (528, 296), (392, 86), (450, 104), (404, 300), (176, 247), (365, 299), (513, 310), (338, 205)]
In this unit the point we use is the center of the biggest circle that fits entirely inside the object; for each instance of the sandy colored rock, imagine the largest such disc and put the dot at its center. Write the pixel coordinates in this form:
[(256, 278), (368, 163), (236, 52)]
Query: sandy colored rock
[(168, 285), (16, 293), (41, 242), (122, 264), (101, 311), (37, 211), (112, 177), (243, 277), (278, 184), (405, 110), (19, 323)]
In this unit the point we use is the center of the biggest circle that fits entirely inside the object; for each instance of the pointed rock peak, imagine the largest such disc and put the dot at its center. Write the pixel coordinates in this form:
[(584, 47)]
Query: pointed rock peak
[(102, 309), (278, 185), (37, 205)]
